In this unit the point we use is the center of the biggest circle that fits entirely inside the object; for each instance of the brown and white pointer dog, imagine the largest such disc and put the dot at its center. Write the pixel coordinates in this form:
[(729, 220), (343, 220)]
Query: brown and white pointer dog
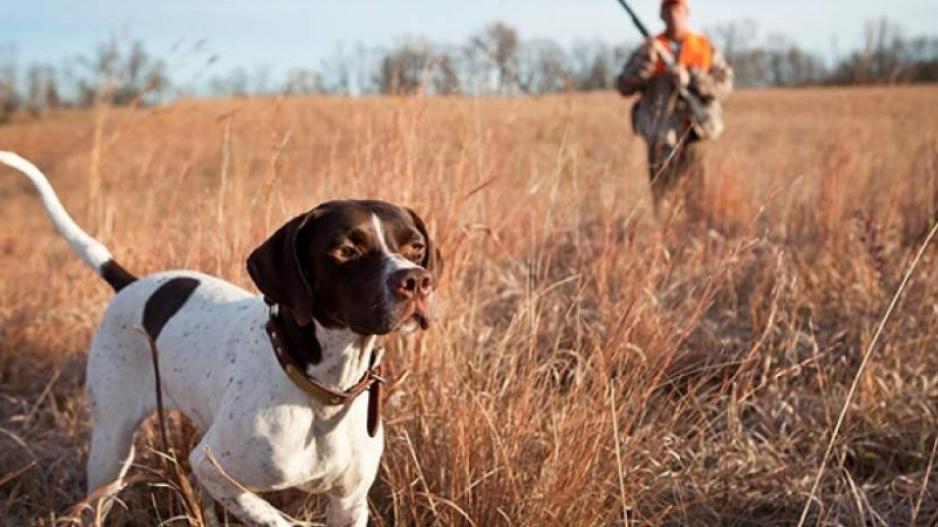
[(336, 276)]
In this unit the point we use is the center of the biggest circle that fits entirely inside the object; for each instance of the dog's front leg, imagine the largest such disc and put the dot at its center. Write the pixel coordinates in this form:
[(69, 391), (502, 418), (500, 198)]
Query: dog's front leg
[(208, 503), (249, 507), (348, 499), (348, 511)]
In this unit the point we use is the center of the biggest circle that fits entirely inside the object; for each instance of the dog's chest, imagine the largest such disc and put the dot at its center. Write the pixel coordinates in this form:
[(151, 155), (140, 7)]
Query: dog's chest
[(313, 449), (222, 372)]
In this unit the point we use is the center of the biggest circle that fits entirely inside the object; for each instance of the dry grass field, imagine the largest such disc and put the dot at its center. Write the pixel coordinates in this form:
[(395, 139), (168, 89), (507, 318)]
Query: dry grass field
[(590, 365)]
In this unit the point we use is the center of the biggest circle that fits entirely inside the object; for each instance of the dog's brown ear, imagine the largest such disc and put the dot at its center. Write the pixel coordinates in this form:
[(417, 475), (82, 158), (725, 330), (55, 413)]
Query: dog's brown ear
[(432, 259), (279, 272)]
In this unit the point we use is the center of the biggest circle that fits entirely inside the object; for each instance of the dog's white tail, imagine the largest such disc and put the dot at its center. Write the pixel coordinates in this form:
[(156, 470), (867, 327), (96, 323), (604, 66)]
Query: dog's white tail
[(90, 250)]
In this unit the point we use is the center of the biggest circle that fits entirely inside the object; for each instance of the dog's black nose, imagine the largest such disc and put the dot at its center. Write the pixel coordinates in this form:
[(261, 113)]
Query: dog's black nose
[(410, 283)]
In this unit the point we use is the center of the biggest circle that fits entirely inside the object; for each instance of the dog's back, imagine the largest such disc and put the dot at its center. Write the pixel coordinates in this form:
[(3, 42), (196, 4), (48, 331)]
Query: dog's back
[(175, 309)]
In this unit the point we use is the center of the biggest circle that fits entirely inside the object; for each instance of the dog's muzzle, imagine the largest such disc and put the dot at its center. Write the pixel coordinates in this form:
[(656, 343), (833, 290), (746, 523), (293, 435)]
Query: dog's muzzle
[(413, 288)]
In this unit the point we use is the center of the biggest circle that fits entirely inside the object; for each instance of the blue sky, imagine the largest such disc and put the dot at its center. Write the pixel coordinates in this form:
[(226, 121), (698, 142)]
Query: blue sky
[(285, 33)]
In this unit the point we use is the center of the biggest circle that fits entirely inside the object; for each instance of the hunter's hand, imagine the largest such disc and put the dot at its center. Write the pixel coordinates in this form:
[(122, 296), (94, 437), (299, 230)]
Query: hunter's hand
[(680, 77), (645, 59), (701, 82)]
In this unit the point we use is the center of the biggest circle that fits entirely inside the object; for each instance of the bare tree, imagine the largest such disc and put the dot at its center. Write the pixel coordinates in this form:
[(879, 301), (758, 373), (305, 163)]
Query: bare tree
[(776, 62), (406, 68), (42, 89), (236, 83), (923, 57), (543, 67), (866, 65), (500, 43), (9, 96), (301, 81), (590, 66), (260, 80), (120, 74), (445, 77), (337, 71), (477, 69), (735, 37)]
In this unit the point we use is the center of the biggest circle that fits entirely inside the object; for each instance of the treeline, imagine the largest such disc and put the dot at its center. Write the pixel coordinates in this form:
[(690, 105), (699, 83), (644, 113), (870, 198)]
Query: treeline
[(886, 56), (114, 73), (494, 61)]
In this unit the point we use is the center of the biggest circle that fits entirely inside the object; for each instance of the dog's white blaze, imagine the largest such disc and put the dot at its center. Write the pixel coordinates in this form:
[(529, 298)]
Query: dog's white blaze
[(395, 260), (379, 231)]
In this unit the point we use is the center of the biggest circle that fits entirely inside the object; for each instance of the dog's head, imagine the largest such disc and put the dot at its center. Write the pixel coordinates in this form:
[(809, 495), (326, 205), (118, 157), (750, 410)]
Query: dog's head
[(364, 265)]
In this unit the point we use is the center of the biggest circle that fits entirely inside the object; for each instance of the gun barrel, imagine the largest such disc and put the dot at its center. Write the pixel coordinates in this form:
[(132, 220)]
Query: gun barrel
[(638, 23)]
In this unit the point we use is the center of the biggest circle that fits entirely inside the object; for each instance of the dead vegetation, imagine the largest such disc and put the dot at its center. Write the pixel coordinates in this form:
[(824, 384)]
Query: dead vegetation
[(590, 365)]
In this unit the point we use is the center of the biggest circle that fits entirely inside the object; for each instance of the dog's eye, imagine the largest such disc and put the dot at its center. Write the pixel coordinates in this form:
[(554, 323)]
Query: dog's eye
[(345, 253), (414, 251)]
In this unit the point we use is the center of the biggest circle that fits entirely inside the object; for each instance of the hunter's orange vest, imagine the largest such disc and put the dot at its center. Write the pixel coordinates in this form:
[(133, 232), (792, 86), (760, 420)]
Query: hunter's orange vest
[(696, 52)]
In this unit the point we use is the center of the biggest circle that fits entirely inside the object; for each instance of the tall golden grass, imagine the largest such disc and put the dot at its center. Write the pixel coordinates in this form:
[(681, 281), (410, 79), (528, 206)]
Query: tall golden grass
[(590, 365)]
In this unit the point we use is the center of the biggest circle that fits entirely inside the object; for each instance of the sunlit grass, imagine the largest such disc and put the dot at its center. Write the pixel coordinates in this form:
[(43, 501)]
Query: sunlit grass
[(719, 356)]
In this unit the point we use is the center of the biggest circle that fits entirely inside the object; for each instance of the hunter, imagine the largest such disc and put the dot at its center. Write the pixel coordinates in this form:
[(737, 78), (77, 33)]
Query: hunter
[(662, 117)]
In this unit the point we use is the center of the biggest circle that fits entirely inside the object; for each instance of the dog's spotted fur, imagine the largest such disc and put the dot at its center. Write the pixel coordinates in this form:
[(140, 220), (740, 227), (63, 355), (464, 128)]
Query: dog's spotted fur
[(343, 273)]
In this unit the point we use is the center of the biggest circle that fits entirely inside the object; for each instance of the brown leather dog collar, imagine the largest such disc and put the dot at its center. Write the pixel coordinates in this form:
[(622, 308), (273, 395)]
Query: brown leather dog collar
[(371, 381)]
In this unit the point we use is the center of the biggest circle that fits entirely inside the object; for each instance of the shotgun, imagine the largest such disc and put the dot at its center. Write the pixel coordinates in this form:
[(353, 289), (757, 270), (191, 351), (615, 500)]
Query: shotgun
[(706, 121)]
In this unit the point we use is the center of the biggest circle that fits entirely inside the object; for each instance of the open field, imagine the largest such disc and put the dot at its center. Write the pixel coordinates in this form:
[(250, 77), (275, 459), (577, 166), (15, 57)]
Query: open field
[(589, 364)]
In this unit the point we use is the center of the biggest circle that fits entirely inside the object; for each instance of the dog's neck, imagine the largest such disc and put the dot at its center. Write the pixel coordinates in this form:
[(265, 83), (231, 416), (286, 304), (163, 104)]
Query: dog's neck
[(346, 357), (337, 358)]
